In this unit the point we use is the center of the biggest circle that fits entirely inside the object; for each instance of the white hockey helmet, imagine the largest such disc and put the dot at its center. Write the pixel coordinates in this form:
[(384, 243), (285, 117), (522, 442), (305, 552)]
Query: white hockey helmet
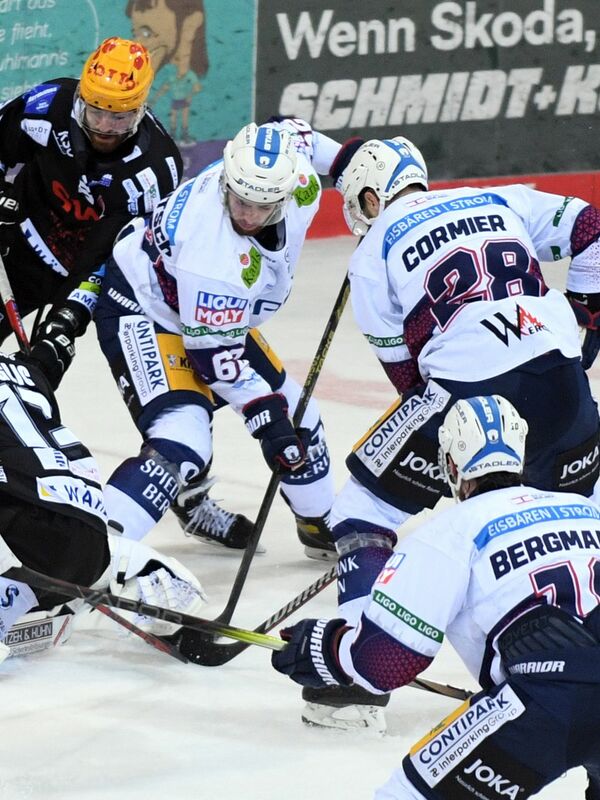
[(260, 167), (481, 435), (386, 166)]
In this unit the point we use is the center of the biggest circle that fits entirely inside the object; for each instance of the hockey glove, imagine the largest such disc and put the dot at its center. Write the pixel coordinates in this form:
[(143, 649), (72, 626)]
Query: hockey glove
[(54, 346), (139, 572), (587, 312), (284, 449), (310, 657)]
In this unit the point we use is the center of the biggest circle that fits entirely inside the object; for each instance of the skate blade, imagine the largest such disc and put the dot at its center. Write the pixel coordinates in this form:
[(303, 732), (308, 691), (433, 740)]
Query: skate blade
[(320, 553), (346, 718), (230, 551)]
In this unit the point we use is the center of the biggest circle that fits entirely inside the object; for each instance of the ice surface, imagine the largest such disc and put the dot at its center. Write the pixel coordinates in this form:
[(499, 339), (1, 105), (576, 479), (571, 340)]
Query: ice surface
[(107, 717)]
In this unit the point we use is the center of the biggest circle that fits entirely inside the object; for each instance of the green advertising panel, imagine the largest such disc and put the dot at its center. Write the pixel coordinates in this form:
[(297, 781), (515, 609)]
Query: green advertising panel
[(202, 52)]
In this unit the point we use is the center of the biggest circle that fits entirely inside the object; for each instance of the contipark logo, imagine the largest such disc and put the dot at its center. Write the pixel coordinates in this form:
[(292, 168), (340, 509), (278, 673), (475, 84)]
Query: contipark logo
[(408, 618)]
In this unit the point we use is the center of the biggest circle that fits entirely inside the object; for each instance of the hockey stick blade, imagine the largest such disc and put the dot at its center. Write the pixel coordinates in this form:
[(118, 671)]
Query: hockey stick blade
[(214, 654), (441, 688)]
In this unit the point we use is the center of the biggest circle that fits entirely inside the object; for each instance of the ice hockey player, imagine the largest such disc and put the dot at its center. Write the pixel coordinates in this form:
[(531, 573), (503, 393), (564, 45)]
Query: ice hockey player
[(442, 275), (53, 518), (93, 157), (214, 261), (510, 576), (447, 288)]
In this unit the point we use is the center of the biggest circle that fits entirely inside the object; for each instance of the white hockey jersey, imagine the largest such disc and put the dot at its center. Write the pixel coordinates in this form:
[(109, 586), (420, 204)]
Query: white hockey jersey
[(222, 283), (464, 571), (451, 279)]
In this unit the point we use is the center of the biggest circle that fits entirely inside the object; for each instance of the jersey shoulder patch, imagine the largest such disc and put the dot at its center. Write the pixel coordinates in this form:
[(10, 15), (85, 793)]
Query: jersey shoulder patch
[(39, 98)]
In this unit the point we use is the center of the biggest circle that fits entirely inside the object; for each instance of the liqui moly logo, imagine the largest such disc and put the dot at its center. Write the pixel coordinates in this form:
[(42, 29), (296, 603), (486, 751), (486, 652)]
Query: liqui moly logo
[(389, 570), (219, 309)]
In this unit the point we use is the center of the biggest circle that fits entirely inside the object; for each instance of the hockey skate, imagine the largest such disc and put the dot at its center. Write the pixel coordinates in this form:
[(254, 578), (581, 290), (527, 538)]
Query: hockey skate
[(315, 535), (201, 517), (345, 708)]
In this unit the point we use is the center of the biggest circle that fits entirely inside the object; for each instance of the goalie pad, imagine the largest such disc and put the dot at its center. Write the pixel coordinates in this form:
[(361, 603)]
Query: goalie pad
[(139, 572), (397, 459)]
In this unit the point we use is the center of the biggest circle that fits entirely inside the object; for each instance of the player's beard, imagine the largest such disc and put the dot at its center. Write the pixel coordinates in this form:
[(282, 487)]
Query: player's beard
[(105, 143), (243, 231)]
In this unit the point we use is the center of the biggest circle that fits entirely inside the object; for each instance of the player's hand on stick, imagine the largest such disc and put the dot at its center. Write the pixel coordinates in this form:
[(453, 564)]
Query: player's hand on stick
[(310, 657), (53, 352), (284, 448), (54, 345), (587, 311)]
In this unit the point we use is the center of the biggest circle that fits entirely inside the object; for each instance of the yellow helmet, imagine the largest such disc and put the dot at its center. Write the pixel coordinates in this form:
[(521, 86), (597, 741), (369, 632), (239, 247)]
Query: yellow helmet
[(117, 76)]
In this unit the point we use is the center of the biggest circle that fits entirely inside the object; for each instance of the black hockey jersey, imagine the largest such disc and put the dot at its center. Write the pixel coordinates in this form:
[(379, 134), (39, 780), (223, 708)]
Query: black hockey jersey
[(73, 199), (41, 461)]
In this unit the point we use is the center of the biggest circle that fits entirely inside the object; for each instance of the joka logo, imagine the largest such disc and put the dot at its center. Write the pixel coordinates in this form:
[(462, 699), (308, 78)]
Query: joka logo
[(10, 593), (501, 785), (584, 464), (421, 465), (526, 325)]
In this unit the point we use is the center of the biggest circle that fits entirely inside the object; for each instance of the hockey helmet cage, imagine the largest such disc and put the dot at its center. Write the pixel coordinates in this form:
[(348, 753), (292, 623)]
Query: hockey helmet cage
[(481, 435), (386, 166), (260, 165)]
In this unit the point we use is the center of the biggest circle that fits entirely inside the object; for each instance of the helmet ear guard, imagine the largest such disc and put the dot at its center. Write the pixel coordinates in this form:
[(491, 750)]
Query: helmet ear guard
[(480, 436), (386, 167)]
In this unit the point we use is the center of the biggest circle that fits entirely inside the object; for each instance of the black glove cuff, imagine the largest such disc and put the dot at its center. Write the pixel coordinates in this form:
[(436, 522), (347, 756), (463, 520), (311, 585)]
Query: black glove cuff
[(73, 316), (45, 356)]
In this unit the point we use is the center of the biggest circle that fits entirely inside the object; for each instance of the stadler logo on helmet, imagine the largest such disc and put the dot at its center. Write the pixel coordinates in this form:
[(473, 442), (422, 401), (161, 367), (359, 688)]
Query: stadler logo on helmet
[(481, 435)]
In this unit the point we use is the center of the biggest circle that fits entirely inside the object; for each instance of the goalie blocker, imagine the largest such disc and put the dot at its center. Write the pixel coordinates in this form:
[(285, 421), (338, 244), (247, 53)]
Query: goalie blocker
[(397, 459)]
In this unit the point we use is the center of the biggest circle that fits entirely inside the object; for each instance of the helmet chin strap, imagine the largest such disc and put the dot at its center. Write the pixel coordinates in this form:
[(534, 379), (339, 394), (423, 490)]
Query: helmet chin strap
[(461, 488)]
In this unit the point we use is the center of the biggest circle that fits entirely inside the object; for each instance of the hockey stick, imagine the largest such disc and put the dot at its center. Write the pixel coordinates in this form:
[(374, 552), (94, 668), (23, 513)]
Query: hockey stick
[(215, 654), (154, 641), (16, 323), (265, 507), (12, 310), (441, 688), (95, 597)]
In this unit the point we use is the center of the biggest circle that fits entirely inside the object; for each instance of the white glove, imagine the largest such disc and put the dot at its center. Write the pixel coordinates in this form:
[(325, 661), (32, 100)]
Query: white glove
[(161, 588), (171, 585)]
